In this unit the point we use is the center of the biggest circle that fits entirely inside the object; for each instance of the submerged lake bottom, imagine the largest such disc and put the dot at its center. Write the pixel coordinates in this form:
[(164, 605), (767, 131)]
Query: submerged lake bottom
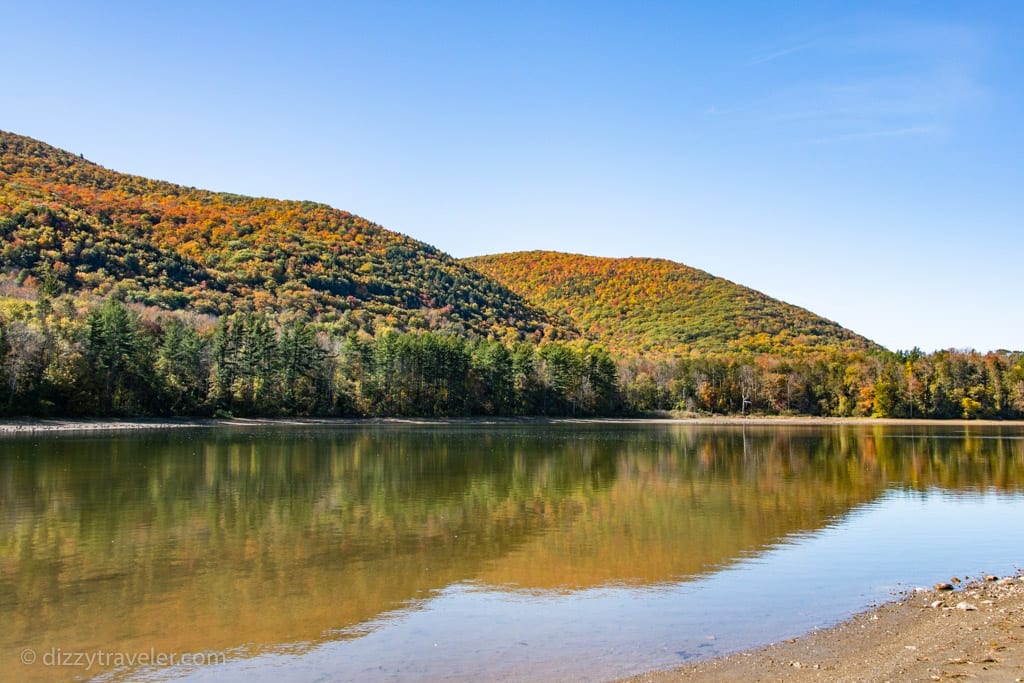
[(480, 552)]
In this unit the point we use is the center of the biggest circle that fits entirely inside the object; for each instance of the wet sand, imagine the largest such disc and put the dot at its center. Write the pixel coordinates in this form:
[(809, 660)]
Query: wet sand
[(974, 633)]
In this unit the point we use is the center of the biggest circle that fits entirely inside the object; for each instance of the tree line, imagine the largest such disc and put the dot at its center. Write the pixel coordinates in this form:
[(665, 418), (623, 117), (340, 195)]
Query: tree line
[(115, 359), (907, 384), (59, 357)]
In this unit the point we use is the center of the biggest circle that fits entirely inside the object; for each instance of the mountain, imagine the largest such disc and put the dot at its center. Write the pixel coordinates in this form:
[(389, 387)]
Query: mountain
[(647, 305), (71, 225)]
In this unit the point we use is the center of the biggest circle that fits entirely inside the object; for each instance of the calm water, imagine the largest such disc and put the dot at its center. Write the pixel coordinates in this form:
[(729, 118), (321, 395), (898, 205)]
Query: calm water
[(523, 552)]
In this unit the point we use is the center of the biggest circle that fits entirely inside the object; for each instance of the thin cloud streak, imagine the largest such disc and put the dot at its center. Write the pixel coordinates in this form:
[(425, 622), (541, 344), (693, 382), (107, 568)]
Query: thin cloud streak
[(772, 56), (908, 74), (715, 110)]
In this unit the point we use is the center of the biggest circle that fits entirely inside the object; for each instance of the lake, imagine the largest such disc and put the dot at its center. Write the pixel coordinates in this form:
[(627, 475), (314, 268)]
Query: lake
[(477, 552)]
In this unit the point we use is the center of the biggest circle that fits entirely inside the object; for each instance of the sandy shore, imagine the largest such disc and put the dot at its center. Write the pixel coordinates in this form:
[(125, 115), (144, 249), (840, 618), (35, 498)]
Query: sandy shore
[(32, 426), (973, 633)]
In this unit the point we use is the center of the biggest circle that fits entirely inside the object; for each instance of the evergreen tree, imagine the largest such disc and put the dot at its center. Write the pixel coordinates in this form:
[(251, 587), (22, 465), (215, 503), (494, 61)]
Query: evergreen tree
[(183, 364), (120, 359), (301, 364)]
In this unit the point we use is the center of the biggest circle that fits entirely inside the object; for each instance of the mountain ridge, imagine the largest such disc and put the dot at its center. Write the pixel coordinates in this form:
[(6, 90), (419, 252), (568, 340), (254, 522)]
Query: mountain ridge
[(73, 225), (655, 305), (85, 228)]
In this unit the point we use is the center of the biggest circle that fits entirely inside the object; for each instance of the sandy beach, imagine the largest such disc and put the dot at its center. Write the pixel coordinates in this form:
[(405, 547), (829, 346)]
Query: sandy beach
[(975, 632)]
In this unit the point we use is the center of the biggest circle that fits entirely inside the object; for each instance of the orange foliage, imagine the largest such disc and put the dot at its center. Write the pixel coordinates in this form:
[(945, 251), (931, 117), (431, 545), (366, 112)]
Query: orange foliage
[(179, 247), (646, 305)]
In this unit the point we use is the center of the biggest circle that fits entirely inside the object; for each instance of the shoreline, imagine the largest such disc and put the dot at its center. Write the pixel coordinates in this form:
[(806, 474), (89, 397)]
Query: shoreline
[(974, 632), (51, 425)]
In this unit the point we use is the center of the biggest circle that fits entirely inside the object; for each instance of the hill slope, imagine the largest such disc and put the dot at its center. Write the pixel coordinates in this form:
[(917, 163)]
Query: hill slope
[(650, 305), (76, 226)]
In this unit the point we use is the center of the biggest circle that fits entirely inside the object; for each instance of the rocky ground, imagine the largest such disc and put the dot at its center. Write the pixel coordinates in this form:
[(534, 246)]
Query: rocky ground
[(952, 632)]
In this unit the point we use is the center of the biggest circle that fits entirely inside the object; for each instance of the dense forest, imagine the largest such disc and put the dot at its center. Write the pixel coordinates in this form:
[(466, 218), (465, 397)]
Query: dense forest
[(655, 306), (77, 227), (121, 295), (60, 357), (944, 384)]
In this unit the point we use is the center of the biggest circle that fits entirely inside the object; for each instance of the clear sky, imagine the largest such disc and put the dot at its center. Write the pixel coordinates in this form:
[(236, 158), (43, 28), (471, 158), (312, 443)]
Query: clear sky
[(863, 160)]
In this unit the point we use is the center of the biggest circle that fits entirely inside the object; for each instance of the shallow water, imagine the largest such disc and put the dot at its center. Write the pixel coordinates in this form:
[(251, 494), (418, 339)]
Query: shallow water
[(523, 552)]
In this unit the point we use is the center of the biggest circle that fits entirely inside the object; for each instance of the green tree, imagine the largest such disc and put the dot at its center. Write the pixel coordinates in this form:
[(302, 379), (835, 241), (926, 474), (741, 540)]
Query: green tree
[(257, 362), (493, 381), (224, 370), (183, 364), (301, 367), (120, 359)]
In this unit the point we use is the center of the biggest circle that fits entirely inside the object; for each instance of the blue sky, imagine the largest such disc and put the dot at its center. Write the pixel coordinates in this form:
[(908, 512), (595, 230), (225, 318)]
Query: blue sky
[(862, 160)]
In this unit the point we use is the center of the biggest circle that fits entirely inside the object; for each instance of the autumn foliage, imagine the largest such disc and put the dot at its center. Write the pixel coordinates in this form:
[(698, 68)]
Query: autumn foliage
[(121, 295), (654, 306), (78, 227)]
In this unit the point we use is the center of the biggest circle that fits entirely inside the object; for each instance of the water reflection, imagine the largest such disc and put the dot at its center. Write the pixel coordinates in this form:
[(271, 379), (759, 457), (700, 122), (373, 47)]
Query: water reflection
[(249, 541)]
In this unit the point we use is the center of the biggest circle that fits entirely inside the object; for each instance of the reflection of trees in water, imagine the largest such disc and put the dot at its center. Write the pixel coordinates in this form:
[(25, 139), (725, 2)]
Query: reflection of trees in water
[(215, 539), (701, 498)]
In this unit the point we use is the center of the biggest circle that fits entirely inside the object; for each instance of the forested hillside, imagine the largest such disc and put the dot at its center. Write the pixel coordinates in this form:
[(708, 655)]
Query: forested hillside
[(646, 305), (73, 226), (126, 296)]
